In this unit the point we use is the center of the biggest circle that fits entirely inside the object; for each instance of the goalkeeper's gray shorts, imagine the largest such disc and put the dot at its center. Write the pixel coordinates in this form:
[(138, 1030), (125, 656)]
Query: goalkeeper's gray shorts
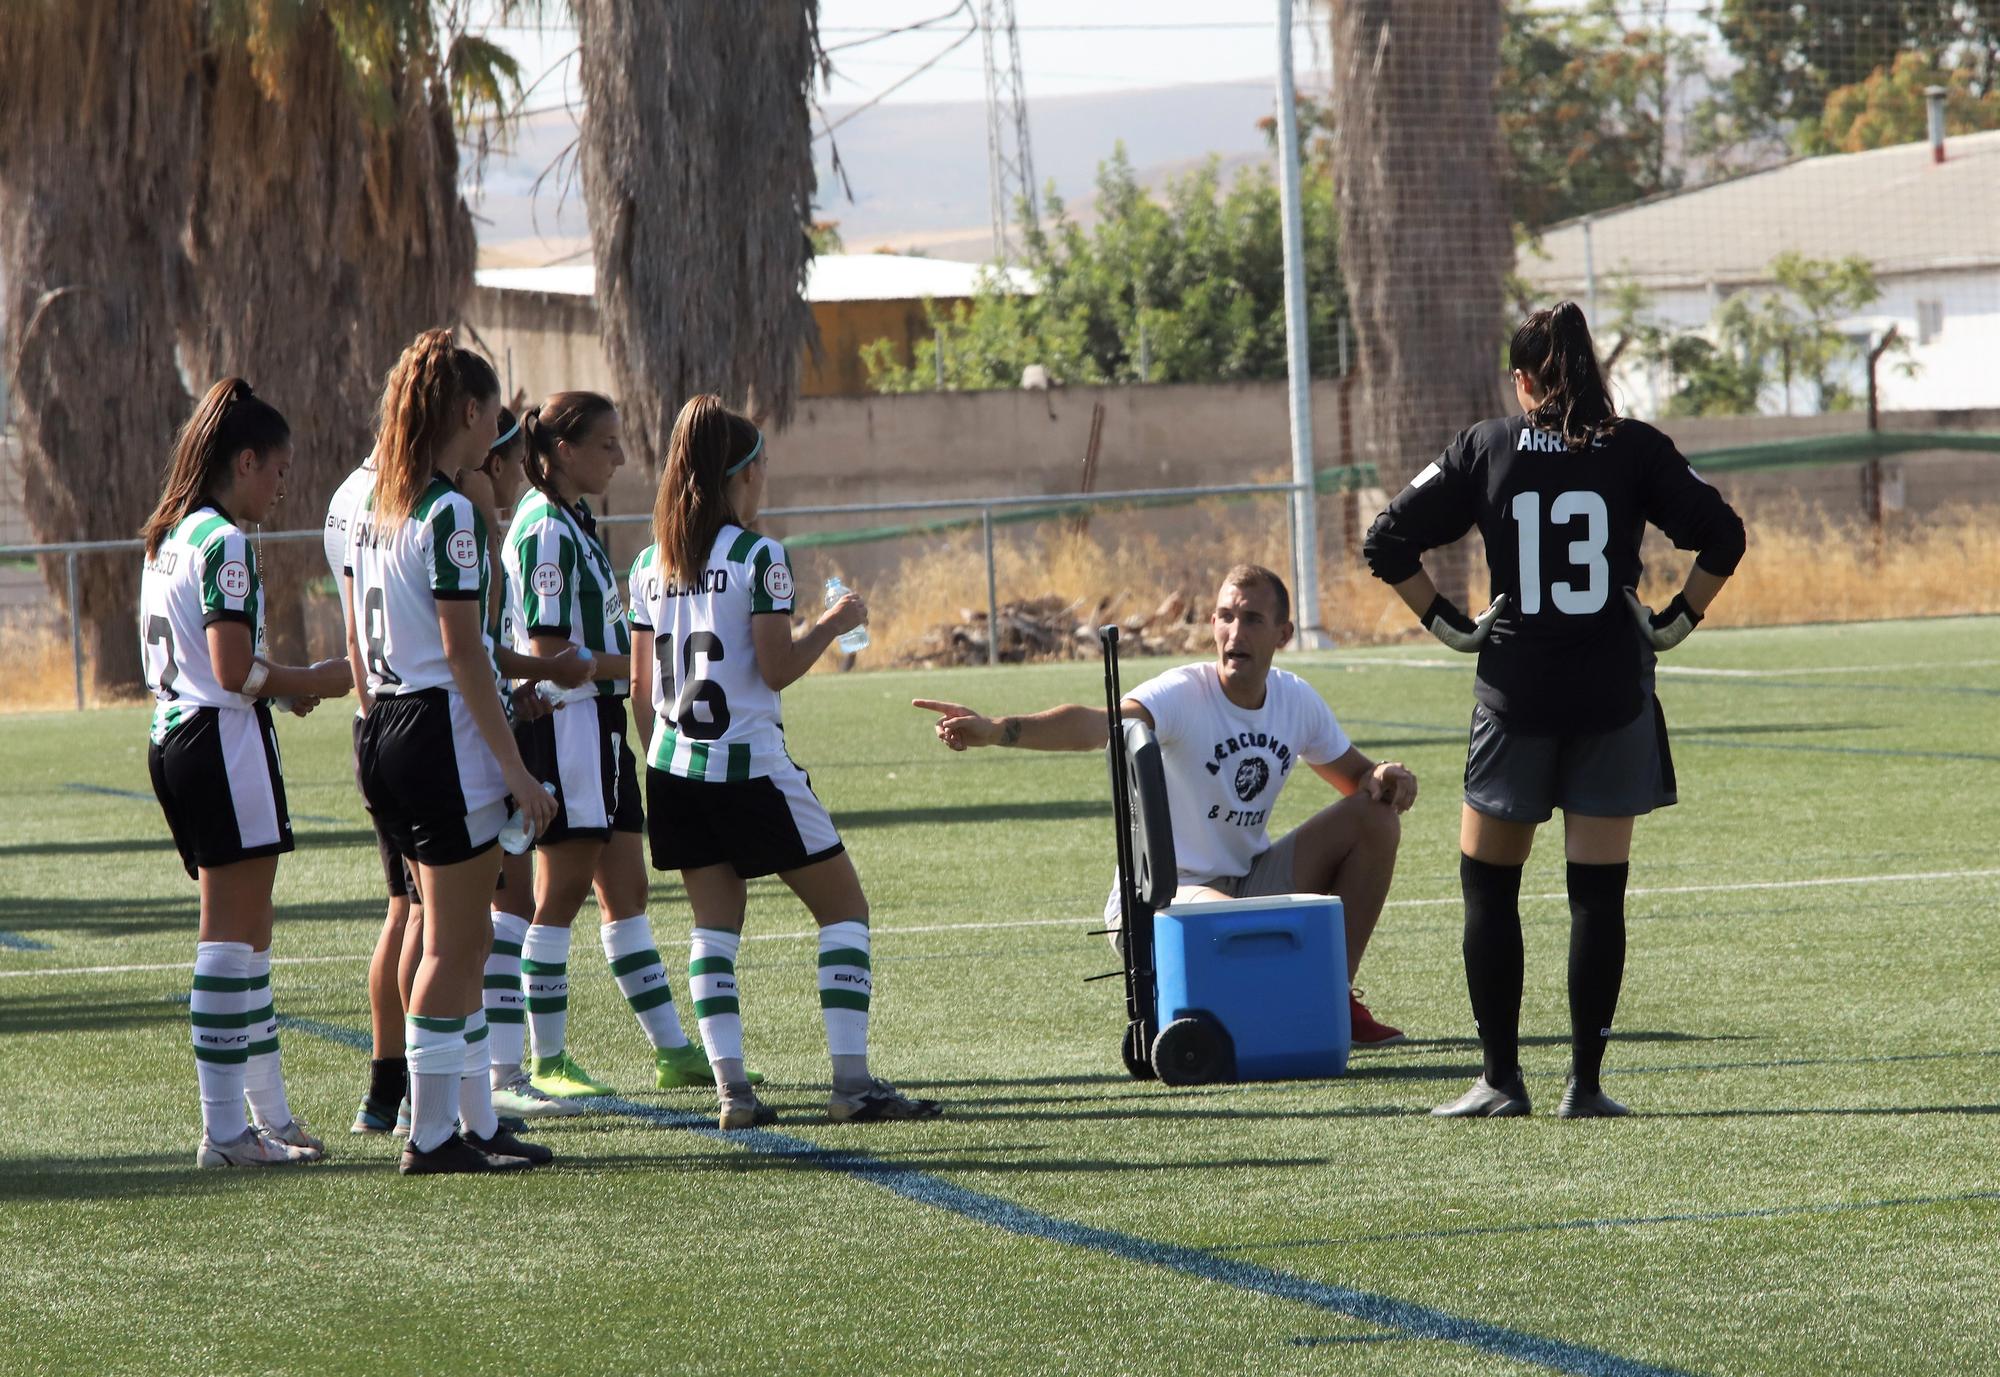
[(1622, 773)]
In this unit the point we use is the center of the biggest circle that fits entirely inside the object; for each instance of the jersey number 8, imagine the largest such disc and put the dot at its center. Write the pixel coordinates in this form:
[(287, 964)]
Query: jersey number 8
[(693, 689), (1586, 554)]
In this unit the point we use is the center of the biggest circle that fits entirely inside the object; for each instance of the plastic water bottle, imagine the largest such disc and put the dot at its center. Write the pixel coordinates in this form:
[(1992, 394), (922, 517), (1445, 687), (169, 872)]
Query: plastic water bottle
[(852, 642), (555, 695), (516, 835)]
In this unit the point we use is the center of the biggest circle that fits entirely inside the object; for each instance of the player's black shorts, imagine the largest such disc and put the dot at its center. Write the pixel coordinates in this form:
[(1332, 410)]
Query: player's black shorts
[(757, 826), (1616, 774), (219, 781), (429, 780), (395, 870), (581, 749)]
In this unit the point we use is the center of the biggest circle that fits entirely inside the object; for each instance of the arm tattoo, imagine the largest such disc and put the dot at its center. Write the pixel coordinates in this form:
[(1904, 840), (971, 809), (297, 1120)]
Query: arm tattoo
[(1010, 731)]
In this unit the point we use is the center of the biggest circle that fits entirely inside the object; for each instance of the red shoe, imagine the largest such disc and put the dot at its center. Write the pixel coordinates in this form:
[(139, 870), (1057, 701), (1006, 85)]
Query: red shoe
[(1366, 1030)]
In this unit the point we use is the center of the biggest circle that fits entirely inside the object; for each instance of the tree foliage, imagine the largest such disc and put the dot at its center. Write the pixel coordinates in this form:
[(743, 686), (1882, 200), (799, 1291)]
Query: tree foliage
[(1791, 57), (1890, 107), (1184, 288)]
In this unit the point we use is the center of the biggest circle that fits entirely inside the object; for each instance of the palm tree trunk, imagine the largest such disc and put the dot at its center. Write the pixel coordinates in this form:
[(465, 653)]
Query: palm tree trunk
[(698, 173), (98, 102), (324, 234), (1426, 240)]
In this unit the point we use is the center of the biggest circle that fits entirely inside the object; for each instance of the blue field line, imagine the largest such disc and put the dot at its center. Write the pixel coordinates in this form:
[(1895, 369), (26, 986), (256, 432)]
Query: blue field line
[(77, 786), (1636, 1221), (13, 941), (1406, 1319)]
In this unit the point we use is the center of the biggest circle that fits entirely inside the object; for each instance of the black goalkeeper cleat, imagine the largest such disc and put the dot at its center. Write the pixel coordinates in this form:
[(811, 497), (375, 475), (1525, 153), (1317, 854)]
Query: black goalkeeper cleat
[(1588, 1104), (1508, 1100), (503, 1143), (456, 1156)]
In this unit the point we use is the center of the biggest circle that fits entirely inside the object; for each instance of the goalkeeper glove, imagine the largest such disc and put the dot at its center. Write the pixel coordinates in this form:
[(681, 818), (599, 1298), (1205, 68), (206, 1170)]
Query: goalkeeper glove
[(1457, 630), (1669, 626)]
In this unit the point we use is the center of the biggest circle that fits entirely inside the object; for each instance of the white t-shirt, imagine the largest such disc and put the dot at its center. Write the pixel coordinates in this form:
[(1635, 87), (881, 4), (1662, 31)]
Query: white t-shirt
[(340, 513), (205, 572), (717, 719), (1225, 766)]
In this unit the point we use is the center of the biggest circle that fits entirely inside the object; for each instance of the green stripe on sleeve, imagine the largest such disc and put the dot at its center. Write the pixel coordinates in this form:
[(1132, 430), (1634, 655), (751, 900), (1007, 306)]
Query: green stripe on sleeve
[(740, 548), (443, 525)]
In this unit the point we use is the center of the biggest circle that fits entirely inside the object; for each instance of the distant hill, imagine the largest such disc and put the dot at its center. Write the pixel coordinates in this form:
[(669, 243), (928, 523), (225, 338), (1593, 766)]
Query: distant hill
[(917, 172)]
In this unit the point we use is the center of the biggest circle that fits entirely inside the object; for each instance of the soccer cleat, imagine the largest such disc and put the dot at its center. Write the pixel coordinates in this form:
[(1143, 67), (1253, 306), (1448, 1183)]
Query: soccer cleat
[(505, 1144), (253, 1149), (373, 1118), (296, 1135), (518, 1098), (677, 1068), (561, 1077), (1365, 1030), (877, 1101), (1487, 1101), (1588, 1104), (402, 1128), (742, 1109), (456, 1156)]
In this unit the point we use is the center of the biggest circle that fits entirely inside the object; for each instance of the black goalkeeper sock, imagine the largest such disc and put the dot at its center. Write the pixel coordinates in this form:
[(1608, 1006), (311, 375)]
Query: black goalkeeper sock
[(1596, 963), (388, 1082), (1493, 961)]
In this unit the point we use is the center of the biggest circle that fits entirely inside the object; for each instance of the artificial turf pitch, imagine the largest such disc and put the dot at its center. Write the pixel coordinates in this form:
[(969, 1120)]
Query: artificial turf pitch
[(1807, 1035)]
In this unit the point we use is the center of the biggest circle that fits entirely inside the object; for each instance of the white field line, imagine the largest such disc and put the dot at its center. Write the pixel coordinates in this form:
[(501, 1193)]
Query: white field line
[(1696, 671), (1909, 877)]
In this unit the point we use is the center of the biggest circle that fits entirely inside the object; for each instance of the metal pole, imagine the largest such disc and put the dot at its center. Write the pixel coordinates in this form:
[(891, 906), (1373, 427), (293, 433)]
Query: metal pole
[(1589, 273), (75, 629), (992, 590), (1305, 524)]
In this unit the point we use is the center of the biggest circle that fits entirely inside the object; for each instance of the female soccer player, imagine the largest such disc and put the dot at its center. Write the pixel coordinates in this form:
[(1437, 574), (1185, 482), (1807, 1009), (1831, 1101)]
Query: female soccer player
[(214, 756), (565, 594), (1565, 714), (712, 649), (494, 487), (437, 761)]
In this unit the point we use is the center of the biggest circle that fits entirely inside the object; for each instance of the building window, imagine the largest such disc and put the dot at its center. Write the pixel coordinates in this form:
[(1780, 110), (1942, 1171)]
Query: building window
[(1930, 320)]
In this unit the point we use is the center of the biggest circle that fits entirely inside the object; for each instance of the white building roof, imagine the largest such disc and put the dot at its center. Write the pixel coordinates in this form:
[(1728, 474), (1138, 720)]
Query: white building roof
[(1892, 206), (832, 277)]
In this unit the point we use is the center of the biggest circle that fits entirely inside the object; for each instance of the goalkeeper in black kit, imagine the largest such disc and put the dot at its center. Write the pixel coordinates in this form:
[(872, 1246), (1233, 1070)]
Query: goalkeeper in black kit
[(1564, 714)]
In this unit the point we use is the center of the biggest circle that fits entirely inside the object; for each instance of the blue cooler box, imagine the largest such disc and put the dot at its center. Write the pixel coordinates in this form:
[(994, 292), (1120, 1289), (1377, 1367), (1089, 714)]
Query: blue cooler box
[(1272, 971)]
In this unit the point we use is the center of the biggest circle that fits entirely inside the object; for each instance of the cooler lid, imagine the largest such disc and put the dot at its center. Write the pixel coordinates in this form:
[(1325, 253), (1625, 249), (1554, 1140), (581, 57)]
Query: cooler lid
[(1263, 903)]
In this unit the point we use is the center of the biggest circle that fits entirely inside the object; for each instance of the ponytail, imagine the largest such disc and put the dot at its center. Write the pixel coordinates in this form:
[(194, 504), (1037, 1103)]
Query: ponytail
[(1553, 347), (419, 401), (229, 420), (563, 416), (709, 443)]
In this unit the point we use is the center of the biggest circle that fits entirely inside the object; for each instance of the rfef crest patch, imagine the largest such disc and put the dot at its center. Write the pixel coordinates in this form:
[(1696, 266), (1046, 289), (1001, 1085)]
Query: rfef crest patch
[(233, 579), (462, 547), (778, 583), (547, 580)]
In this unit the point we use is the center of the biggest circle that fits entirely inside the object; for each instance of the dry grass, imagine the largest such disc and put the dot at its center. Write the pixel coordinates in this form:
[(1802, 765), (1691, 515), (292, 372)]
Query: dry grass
[(1803, 566), (40, 674)]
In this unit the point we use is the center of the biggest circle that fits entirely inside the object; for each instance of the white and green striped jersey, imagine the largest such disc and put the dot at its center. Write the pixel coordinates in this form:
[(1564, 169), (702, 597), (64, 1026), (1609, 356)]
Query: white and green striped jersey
[(400, 575), (205, 572), (560, 583), (715, 717)]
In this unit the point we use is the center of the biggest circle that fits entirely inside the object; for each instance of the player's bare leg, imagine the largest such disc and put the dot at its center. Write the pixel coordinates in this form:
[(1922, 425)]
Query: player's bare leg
[(1349, 849)]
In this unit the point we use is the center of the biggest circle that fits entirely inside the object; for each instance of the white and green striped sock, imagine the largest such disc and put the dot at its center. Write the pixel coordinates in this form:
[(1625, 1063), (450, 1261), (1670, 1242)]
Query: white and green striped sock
[(436, 1048), (475, 1091), (545, 973), (263, 1075), (642, 978), (217, 1008), (845, 987), (712, 991), (506, 1001)]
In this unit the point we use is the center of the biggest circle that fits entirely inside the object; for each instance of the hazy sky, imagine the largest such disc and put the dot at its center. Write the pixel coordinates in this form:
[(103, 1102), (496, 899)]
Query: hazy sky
[(1067, 47)]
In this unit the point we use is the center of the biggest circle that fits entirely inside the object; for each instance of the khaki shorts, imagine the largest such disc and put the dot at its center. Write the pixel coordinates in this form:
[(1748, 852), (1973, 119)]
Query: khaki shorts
[(1270, 873)]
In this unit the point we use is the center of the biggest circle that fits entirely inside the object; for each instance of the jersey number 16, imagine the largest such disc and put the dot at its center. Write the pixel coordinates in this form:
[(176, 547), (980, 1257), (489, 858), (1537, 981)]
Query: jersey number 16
[(693, 689), (1586, 554)]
